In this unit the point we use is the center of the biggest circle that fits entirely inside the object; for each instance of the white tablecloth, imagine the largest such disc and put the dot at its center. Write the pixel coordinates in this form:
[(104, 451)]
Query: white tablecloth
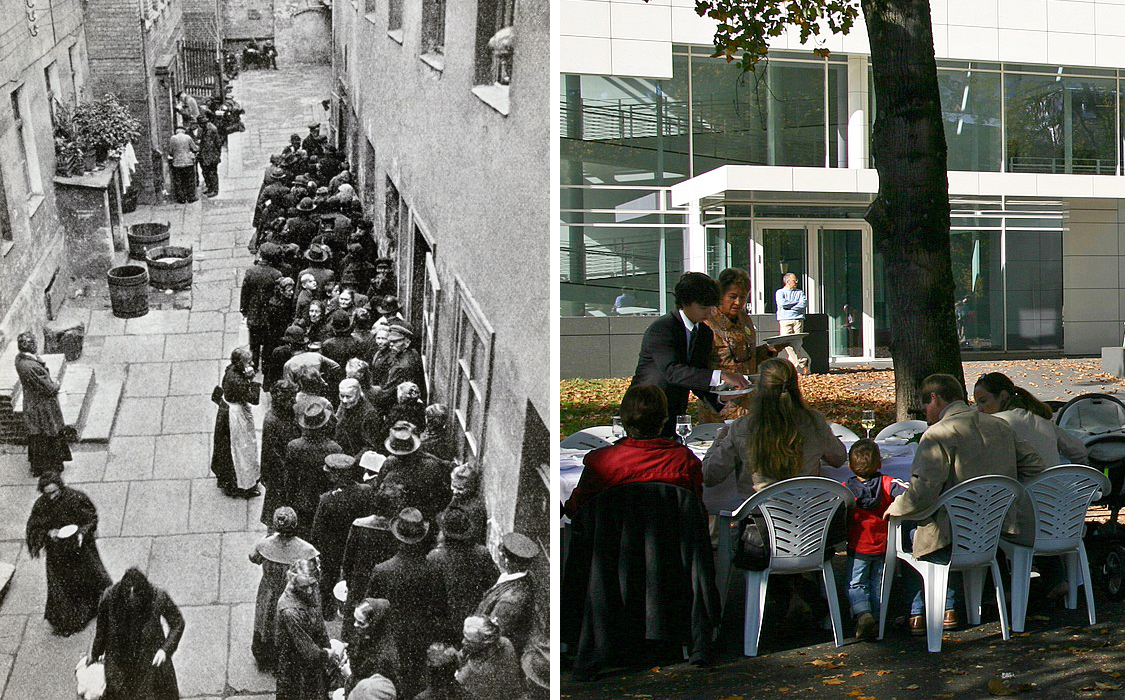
[(897, 459)]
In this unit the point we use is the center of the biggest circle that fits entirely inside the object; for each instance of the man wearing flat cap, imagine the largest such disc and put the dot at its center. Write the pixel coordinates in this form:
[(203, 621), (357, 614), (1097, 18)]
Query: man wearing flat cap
[(406, 364), (511, 600), (416, 590), (312, 143), (257, 286), (305, 460), (347, 500)]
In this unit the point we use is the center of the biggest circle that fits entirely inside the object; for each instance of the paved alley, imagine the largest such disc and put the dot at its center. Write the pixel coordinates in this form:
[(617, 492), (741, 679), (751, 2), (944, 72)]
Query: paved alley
[(158, 503)]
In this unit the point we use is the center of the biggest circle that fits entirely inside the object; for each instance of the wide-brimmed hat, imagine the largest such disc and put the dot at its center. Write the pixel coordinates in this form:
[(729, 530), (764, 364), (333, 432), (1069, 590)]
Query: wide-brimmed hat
[(456, 525), (322, 192), (301, 180), (317, 252), (519, 546), (401, 328), (294, 334), (384, 261), (341, 323), (278, 173), (403, 439), (388, 305), (315, 414), (409, 526), (306, 204), (339, 461)]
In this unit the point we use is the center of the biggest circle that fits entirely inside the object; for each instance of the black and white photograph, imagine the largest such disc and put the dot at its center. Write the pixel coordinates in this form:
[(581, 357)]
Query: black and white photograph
[(276, 405)]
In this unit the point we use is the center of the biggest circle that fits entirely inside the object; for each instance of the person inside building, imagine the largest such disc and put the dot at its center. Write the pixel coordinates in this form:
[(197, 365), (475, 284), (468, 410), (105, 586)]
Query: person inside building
[(791, 306)]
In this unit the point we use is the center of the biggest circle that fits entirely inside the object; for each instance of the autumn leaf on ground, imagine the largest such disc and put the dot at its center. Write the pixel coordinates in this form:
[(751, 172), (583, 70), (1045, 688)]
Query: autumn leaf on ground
[(833, 681), (884, 672), (824, 663), (1107, 685), (733, 697), (857, 673), (998, 686), (913, 686), (943, 696)]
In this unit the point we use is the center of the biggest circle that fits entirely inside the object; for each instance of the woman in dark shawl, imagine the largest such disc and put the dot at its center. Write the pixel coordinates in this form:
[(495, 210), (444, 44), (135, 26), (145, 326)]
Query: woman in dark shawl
[(138, 655), (372, 649), (304, 654), (279, 428), (76, 577), (275, 553), (234, 459)]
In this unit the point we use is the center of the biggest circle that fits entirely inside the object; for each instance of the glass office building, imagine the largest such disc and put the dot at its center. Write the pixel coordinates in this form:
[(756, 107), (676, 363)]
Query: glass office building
[(626, 141)]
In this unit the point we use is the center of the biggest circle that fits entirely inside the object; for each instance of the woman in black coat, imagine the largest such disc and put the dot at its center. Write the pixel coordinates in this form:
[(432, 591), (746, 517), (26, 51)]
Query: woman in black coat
[(279, 428), (76, 577), (138, 656), (234, 459)]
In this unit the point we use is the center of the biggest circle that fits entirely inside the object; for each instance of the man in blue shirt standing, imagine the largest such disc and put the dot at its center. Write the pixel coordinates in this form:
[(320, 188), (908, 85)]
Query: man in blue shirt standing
[(791, 305)]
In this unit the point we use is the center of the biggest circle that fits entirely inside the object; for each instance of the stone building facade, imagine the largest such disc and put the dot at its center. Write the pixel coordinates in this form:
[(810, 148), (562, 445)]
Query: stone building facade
[(450, 145)]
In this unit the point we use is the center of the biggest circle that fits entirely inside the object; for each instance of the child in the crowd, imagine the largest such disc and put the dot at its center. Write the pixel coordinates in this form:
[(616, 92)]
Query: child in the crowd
[(867, 533)]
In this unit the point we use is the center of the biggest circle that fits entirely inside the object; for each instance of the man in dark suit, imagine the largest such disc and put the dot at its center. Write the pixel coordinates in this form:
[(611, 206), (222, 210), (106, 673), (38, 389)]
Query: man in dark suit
[(511, 600), (406, 365), (676, 349), (334, 515)]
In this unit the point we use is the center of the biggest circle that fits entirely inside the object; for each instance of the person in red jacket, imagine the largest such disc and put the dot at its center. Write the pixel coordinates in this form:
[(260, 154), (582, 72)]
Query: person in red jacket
[(642, 455), (867, 533)]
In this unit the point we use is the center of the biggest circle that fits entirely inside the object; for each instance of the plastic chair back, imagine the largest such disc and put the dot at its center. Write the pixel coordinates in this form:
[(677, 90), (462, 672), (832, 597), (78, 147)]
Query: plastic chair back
[(798, 512), (1060, 497), (902, 429), (704, 431), (589, 438), (843, 432), (976, 510), (1092, 413)]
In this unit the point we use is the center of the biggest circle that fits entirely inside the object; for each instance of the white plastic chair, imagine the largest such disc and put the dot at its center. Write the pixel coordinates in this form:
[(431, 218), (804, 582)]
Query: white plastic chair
[(843, 432), (902, 429), (590, 438), (704, 431), (1060, 497), (976, 510), (797, 512)]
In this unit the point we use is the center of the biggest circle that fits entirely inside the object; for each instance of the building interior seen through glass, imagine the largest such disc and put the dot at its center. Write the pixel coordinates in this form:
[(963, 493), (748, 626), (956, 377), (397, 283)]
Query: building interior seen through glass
[(625, 141)]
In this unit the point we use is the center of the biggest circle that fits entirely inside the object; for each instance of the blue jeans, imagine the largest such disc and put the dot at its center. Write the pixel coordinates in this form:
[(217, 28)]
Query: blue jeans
[(865, 583), (913, 581)]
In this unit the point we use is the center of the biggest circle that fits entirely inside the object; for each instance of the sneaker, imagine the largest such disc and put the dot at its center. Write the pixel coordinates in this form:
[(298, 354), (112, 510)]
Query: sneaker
[(866, 627)]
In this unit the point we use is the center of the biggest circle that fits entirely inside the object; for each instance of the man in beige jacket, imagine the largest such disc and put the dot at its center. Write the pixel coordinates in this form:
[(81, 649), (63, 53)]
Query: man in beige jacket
[(960, 444)]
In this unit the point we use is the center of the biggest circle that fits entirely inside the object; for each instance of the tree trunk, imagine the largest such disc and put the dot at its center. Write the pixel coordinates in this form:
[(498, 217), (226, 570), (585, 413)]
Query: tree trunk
[(910, 216)]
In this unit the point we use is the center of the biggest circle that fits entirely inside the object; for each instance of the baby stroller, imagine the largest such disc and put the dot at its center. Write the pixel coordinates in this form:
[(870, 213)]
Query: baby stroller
[(1099, 420)]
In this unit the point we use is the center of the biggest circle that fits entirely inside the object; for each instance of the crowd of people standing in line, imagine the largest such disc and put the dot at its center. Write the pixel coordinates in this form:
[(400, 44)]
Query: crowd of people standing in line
[(196, 145), (369, 512), (773, 435)]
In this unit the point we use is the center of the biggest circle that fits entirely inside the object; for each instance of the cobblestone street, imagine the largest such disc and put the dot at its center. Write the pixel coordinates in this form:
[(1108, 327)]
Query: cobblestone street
[(158, 504)]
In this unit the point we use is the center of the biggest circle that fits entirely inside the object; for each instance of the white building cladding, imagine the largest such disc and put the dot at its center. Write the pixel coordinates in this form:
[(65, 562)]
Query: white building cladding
[(672, 160)]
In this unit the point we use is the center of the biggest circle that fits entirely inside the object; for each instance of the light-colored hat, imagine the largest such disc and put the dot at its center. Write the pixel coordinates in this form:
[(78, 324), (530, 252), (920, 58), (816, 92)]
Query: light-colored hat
[(315, 414), (375, 687), (482, 630)]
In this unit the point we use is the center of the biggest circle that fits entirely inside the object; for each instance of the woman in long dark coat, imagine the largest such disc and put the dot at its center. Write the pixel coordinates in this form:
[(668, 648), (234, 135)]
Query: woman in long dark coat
[(275, 554), (234, 459), (138, 656), (47, 446), (372, 649), (76, 576), (278, 429), (303, 651)]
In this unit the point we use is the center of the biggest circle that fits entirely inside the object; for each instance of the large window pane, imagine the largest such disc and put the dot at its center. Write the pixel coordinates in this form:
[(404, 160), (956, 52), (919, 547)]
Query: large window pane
[(978, 289), (1034, 276), (1060, 124), (970, 106)]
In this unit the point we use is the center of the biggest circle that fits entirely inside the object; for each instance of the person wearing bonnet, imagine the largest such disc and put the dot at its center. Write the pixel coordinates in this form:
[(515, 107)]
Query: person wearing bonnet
[(466, 566), (490, 669), (372, 649), (275, 553), (415, 588), (425, 478)]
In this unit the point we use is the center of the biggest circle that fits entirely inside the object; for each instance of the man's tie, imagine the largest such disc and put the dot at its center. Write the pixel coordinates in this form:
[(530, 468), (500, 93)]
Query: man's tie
[(691, 340)]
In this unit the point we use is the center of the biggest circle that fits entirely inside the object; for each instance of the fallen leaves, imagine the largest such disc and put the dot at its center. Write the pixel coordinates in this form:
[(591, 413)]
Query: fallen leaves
[(998, 686)]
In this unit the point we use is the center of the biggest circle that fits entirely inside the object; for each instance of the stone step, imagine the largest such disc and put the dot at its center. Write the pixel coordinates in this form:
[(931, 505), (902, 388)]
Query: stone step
[(98, 419), (56, 364), (76, 392)]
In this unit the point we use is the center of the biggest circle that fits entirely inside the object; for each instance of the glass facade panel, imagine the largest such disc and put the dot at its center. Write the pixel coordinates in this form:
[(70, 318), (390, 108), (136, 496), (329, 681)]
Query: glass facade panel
[(841, 272), (1061, 124), (970, 106), (978, 288), (1034, 281), (783, 251)]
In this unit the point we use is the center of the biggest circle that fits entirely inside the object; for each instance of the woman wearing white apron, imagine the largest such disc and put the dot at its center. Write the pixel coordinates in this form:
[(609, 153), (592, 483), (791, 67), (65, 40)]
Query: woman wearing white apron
[(234, 460)]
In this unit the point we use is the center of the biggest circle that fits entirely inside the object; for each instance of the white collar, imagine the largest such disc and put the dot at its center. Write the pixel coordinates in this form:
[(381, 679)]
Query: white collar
[(687, 323), (504, 578)]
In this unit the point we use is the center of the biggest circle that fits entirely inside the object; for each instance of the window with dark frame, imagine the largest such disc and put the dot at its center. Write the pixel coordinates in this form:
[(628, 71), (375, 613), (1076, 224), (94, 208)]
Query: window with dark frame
[(433, 27), (494, 41), (394, 15), (21, 140), (5, 222)]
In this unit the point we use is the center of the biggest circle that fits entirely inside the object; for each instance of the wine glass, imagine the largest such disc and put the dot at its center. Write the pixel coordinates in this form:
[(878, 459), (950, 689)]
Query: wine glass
[(618, 428), (868, 421), (683, 427)]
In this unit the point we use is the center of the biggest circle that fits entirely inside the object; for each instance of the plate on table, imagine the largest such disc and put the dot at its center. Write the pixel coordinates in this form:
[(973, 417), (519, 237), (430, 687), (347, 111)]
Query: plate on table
[(67, 531), (729, 392), (701, 444), (783, 338)]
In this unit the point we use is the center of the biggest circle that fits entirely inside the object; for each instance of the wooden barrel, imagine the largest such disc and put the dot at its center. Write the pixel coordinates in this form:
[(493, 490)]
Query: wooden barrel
[(145, 236), (128, 291), (169, 267)]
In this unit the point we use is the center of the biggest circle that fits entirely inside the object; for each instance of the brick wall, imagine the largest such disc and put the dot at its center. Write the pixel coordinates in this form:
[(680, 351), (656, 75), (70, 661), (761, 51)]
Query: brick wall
[(248, 19)]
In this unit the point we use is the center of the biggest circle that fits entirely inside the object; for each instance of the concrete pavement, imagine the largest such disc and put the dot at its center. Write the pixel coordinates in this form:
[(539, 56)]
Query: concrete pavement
[(158, 505)]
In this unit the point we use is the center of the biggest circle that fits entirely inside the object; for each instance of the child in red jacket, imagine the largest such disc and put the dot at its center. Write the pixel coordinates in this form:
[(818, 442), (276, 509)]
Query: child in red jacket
[(867, 533)]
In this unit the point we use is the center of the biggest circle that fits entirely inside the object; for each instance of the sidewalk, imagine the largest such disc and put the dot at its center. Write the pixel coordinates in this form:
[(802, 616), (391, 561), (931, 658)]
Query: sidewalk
[(157, 501)]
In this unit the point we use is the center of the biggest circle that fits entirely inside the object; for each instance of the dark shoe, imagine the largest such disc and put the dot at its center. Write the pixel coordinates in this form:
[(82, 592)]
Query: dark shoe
[(866, 626), (918, 625), (950, 622), (251, 492)]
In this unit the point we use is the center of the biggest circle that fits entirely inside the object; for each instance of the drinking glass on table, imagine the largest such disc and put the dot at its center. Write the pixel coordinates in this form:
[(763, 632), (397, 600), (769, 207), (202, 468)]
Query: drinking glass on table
[(683, 427), (868, 421), (618, 428)]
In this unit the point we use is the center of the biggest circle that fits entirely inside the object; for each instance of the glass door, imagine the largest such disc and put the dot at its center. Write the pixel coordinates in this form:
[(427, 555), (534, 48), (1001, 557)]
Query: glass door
[(842, 286), (780, 249)]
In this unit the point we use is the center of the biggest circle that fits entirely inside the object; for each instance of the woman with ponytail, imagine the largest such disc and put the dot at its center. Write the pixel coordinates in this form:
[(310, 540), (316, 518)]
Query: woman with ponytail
[(1029, 417), (778, 439)]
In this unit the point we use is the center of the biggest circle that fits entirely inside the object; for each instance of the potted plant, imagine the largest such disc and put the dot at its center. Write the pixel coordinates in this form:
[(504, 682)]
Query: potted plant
[(103, 125), (70, 159)]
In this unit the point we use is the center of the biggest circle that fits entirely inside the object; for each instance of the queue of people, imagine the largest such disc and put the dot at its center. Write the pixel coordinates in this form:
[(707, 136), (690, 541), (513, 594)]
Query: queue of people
[(773, 435), (196, 145)]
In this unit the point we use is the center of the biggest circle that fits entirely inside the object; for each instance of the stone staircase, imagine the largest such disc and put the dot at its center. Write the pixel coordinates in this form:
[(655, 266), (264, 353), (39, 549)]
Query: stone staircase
[(89, 405)]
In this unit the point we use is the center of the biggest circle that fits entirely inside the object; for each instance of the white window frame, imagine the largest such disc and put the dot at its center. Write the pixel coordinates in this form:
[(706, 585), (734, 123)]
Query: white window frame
[(431, 302), (25, 136), (470, 319)]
